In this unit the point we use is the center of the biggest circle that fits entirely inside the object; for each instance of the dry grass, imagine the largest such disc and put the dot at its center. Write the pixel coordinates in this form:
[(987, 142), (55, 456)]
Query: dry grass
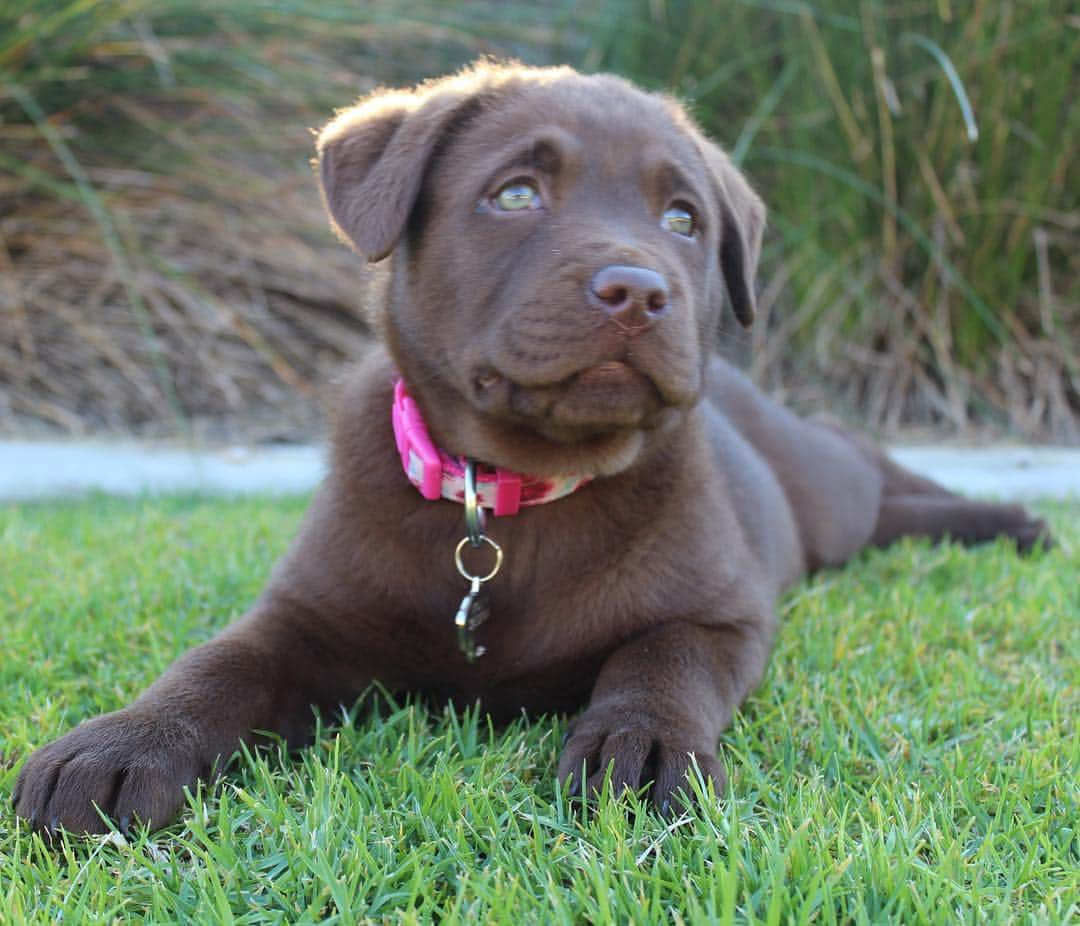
[(165, 268), (243, 306), (163, 248), (920, 164)]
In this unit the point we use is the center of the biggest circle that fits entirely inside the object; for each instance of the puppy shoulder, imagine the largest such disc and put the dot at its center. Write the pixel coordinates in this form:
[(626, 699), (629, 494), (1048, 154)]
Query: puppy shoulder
[(361, 435)]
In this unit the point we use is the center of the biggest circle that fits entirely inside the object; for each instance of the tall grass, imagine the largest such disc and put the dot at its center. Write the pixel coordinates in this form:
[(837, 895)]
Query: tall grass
[(920, 162), (163, 257), (164, 261)]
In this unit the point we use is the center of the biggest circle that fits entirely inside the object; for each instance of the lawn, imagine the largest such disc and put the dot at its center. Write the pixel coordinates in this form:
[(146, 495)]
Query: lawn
[(912, 756)]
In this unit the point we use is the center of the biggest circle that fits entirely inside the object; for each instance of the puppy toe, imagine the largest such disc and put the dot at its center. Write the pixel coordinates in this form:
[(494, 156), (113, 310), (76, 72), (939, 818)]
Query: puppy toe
[(84, 792), (152, 795), (579, 761), (626, 758), (36, 784), (673, 787), (1033, 534)]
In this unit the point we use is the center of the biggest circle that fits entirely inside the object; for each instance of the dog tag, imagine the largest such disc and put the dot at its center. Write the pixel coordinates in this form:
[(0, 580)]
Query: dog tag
[(474, 608), (471, 613)]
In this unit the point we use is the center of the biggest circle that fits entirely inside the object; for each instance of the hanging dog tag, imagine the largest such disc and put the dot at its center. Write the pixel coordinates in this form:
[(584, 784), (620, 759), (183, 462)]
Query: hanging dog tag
[(471, 613), (474, 608)]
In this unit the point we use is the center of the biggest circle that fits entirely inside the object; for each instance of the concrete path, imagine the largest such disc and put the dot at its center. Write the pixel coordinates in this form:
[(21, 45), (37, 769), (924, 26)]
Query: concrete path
[(40, 469), (45, 469), (1008, 473)]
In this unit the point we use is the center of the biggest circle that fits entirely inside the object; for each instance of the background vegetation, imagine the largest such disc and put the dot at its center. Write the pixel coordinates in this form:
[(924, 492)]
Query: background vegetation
[(912, 756), (164, 266)]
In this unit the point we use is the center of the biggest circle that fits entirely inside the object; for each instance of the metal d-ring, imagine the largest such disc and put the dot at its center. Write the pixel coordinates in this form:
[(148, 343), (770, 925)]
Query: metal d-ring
[(475, 520), (468, 576)]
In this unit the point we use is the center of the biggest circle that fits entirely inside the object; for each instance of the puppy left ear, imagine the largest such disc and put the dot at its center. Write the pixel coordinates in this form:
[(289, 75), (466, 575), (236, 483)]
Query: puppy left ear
[(373, 156), (743, 226)]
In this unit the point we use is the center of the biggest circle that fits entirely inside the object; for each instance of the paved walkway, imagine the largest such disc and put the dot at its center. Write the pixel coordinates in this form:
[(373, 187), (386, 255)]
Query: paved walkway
[(41, 469)]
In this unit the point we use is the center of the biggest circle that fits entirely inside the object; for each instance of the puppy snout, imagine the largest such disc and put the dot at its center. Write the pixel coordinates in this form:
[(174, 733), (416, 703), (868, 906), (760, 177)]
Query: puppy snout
[(633, 297)]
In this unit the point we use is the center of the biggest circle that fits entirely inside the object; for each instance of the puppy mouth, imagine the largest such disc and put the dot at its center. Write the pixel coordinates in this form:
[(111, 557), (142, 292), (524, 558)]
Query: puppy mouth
[(607, 396), (612, 392)]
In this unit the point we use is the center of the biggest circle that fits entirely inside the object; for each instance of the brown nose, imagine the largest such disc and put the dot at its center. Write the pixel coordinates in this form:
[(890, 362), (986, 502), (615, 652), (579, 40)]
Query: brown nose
[(633, 297)]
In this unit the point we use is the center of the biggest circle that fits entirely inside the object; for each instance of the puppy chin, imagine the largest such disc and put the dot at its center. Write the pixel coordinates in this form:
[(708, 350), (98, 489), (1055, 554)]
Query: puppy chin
[(603, 431), (547, 450)]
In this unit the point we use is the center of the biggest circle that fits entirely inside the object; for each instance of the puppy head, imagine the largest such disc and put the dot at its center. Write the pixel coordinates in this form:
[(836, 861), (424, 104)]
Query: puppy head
[(560, 247)]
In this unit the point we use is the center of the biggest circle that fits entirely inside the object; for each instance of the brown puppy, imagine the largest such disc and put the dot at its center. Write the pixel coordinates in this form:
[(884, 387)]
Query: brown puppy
[(561, 245)]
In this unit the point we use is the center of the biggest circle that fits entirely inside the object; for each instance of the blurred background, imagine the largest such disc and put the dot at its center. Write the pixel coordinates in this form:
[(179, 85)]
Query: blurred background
[(166, 270)]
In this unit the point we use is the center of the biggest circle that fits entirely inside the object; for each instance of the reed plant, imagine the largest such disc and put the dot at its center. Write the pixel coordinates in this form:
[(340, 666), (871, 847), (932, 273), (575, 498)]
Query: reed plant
[(164, 264), (920, 162)]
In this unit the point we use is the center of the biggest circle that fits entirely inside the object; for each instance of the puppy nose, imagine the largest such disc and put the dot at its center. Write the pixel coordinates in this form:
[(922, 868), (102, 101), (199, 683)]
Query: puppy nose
[(633, 297)]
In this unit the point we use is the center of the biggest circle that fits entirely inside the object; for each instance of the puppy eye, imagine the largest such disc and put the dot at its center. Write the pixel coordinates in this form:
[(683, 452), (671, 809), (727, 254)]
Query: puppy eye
[(517, 195), (678, 219)]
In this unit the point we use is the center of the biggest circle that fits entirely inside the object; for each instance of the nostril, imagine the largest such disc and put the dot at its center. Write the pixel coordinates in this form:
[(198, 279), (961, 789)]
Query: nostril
[(612, 295), (634, 297)]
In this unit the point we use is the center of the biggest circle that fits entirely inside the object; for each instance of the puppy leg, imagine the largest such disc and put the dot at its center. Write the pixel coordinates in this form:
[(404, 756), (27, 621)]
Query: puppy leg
[(913, 504), (953, 517), (660, 703), (134, 763)]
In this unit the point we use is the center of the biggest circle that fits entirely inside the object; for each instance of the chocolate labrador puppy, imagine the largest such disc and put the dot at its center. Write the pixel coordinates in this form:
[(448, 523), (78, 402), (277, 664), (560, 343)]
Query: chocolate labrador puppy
[(560, 248)]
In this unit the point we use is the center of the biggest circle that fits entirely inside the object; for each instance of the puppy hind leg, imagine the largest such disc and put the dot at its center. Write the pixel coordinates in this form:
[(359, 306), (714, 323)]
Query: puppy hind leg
[(953, 517), (896, 479), (915, 505)]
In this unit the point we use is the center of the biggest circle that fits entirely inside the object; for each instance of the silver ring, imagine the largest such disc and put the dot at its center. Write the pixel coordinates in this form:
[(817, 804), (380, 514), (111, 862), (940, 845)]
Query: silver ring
[(465, 574), (474, 514)]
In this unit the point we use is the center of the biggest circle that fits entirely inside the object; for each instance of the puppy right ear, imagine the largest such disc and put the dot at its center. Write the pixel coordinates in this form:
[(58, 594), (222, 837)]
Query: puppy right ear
[(372, 159), (742, 226)]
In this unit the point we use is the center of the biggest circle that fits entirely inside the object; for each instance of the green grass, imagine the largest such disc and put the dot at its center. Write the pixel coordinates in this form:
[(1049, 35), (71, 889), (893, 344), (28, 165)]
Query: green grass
[(911, 757)]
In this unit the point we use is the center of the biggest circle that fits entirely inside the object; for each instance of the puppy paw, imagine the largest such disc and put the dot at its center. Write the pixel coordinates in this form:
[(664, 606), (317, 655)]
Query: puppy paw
[(1027, 532), (638, 751), (132, 769)]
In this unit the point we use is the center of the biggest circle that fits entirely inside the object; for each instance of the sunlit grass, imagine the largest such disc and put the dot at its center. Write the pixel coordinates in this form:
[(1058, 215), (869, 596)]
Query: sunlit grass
[(912, 756)]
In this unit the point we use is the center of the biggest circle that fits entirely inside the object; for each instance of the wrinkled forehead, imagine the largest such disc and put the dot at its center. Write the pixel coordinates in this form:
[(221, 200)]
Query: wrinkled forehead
[(601, 128)]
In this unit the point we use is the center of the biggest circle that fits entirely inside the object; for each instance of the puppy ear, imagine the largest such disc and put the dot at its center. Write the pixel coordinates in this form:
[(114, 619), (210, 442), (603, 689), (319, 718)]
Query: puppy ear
[(743, 225), (372, 158)]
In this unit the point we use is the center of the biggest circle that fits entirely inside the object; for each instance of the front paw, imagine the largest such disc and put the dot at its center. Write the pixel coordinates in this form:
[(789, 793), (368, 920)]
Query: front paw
[(639, 750), (133, 768), (1027, 531)]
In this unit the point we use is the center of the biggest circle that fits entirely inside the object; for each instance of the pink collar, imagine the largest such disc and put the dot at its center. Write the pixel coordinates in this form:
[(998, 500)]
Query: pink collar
[(438, 475)]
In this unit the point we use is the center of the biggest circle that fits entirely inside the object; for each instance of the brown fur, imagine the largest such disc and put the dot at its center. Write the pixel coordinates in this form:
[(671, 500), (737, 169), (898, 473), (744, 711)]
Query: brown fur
[(650, 594)]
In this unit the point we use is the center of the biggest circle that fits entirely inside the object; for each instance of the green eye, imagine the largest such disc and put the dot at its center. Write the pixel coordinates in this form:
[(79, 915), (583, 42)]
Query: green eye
[(679, 220), (517, 196)]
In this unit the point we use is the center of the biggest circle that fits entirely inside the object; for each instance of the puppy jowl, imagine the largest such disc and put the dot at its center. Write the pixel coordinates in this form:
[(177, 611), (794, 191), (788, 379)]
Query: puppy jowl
[(546, 493)]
